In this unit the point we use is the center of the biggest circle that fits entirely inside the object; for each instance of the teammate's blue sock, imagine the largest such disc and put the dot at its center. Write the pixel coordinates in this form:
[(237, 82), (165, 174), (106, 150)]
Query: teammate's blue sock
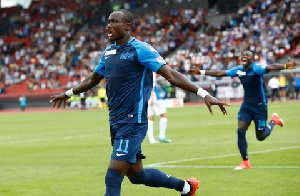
[(156, 178), (242, 143), (268, 130), (113, 181)]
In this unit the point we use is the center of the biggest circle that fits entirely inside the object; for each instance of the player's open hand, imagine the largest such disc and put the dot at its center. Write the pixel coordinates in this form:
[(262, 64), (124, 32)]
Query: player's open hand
[(194, 71), (291, 65), (59, 99), (210, 101)]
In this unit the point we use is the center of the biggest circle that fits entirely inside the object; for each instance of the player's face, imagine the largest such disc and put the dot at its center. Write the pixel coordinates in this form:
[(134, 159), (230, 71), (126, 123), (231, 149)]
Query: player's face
[(246, 58), (116, 27)]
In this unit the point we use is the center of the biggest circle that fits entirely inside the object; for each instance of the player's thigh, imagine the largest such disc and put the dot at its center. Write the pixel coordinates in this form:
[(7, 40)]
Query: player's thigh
[(126, 141), (244, 117), (260, 116)]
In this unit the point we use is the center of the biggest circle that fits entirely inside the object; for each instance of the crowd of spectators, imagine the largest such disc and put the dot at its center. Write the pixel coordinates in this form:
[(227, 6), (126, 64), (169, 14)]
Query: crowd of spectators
[(56, 42), (130, 4), (269, 28), (47, 40)]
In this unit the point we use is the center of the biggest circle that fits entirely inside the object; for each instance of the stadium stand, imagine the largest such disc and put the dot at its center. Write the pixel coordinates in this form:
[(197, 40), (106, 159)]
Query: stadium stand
[(52, 43)]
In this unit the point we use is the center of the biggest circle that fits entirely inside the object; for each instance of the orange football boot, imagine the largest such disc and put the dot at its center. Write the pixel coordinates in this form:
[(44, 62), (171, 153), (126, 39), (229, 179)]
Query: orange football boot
[(244, 165), (194, 186), (277, 120)]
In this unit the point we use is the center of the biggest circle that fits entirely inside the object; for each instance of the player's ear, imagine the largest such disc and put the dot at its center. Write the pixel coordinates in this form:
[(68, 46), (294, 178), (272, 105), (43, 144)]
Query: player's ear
[(128, 26)]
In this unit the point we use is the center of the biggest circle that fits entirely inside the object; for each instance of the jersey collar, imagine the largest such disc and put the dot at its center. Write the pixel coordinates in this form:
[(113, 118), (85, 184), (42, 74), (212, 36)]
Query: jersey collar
[(131, 39)]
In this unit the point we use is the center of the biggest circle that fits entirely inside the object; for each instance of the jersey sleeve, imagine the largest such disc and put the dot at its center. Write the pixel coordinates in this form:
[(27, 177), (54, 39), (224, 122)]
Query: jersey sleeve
[(148, 56), (259, 69), (100, 68), (232, 72)]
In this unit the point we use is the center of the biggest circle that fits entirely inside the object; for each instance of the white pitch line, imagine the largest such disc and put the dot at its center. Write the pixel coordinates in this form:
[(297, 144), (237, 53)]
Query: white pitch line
[(219, 156), (225, 167), (48, 139)]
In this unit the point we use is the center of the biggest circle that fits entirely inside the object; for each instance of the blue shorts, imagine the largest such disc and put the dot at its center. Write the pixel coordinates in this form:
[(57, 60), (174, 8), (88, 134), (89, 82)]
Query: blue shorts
[(258, 113), (126, 139)]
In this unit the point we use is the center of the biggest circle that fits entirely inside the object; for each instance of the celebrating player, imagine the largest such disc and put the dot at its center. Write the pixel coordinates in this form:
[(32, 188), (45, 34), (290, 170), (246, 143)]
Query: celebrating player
[(254, 106), (128, 66)]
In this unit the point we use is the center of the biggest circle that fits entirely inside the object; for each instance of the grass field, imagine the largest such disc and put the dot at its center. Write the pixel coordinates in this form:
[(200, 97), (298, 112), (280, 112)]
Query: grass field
[(67, 153)]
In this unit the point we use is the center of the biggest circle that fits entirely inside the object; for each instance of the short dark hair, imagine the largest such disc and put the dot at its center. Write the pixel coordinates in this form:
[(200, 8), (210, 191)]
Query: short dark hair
[(127, 15)]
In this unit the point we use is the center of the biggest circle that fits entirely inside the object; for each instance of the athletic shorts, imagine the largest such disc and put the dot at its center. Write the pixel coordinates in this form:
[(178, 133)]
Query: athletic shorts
[(102, 99), (258, 113), (126, 139), (157, 108)]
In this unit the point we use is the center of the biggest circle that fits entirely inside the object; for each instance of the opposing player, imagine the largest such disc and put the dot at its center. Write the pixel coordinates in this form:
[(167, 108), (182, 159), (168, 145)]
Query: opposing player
[(254, 106), (128, 66), (156, 107)]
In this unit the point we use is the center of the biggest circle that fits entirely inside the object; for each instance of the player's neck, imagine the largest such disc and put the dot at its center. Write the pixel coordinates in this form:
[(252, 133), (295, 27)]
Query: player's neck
[(124, 40), (247, 66)]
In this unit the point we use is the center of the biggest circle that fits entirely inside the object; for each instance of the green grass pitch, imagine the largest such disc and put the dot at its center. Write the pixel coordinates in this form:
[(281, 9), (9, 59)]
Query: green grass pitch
[(67, 153)]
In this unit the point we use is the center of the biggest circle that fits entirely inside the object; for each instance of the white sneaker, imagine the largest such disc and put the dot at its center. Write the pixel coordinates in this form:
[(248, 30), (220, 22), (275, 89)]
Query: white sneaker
[(154, 142)]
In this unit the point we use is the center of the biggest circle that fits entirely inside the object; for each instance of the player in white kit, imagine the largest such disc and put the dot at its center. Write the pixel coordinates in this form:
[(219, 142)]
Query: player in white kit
[(156, 107)]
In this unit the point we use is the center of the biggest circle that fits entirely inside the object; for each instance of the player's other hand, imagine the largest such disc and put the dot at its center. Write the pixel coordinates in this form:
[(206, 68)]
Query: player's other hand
[(59, 99), (194, 71), (291, 65), (210, 101)]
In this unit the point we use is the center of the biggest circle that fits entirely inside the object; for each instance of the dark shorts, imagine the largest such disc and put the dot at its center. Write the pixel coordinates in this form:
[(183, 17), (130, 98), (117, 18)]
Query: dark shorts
[(282, 88), (126, 139), (102, 99), (82, 101), (258, 113)]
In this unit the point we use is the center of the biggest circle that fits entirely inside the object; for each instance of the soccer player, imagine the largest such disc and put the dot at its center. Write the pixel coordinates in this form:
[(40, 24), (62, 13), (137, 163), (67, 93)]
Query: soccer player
[(23, 102), (128, 66), (254, 106), (156, 107), (102, 97)]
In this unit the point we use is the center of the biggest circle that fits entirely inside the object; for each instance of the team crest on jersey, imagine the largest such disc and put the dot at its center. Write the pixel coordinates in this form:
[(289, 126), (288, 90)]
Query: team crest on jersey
[(126, 56)]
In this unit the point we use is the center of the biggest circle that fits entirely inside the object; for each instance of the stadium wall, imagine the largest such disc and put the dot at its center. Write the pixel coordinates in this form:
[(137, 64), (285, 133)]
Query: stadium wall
[(31, 103)]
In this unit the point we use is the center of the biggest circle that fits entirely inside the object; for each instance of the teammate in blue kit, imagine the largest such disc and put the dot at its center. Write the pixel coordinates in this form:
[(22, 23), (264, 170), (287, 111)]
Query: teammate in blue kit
[(254, 106), (128, 66)]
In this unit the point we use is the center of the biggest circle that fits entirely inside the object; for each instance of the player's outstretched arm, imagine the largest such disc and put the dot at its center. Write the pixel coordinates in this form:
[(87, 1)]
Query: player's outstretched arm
[(217, 73), (179, 80), (288, 65), (91, 81)]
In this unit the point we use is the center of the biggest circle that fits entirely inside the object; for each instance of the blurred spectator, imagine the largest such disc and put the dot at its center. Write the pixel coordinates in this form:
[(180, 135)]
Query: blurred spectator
[(213, 88), (274, 85), (82, 101), (282, 87), (23, 102), (102, 97), (297, 85), (235, 84), (296, 51)]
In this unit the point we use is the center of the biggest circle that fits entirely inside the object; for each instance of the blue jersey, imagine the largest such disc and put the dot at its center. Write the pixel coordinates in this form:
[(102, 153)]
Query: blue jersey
[(23, 101), (252, 81), (129, 79)]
